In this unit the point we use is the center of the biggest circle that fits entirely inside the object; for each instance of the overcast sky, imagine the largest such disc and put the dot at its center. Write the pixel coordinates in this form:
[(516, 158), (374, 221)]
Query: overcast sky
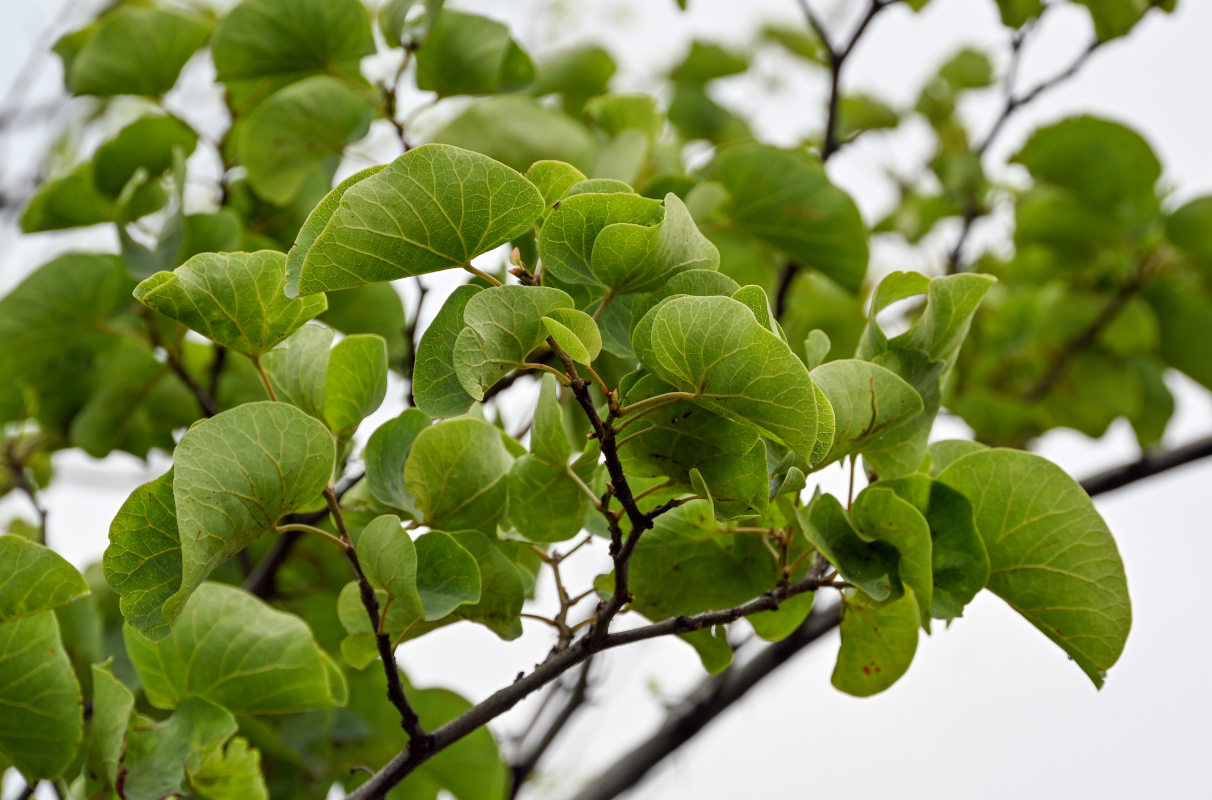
[(990, 708)]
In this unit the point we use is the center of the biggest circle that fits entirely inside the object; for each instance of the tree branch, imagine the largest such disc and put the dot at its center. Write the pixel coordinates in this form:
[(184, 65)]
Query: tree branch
[(556, 664), (522, 770), (718, 692)]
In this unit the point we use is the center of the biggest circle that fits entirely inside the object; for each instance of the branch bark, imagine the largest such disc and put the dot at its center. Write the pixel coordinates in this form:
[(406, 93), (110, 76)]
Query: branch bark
[(717, 693)]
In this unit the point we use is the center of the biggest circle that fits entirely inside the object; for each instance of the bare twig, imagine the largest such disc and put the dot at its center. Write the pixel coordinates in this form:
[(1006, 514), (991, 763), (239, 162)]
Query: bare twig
[(523, 768)]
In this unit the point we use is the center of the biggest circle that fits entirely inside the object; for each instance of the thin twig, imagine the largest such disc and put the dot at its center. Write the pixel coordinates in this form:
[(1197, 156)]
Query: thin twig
[(523, 768), (418, 739)]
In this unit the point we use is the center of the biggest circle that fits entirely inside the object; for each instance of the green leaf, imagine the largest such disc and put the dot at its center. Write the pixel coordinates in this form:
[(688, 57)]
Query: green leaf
[(297, 128), (73, 200), (1115, 18), (878, 643), (389, 559), (1052, 558), (298, 368), (707, 62), (714, 348), (186, 753), (1184, 319), (436, 385), (615, 113), (1190, 228), (575, 332), (501, 588), (1109, 166), (386, 454), (553, 179), (829, 528), (882, 516), (570, 232), (456, 471), (147, 143), (470, 54), (502, 326), (968, 69), (373, 309), (628, 258), (232, 649), (869, 403), (143, 561), (262, 39), (784, 199), (357, 381), (519, 131), (545, 504), (35, 578), (41, 715), (548, 439), (859, 113), (432, 208), (1016, 13), (680, 437), (134, 50), (234, 299), (577, 75), (315, 223), (235, 475), (447, 575), (112, 706)]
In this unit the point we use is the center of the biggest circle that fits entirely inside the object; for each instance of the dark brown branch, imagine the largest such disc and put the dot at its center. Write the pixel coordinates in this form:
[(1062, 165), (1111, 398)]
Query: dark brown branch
[(704, 704), (262, 580), (1013, 103), (522, 770), (717, 693), (557, 663), (21, 479), (1147, 466), (418, 740), (830, 146)]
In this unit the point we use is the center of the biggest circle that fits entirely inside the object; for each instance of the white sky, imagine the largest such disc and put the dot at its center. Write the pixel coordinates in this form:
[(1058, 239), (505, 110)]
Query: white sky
[(990, 708)]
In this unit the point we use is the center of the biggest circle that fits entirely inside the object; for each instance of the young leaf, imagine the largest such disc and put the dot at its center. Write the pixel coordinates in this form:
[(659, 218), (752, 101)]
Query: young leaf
[(503, 325), (868, 401), (163, 759), (41, 719), (389, 559), (1052, 558), (298, 368), (882, 516), (829, 528), (629, 259), (878, 643), (234, 299), (575, 332), (570, 231), (232, 649), (235, 475), (436, 385), (356, 382), (714, 348), (112, 707), (433, 208), (387, 453), (143, 561), (447, 575), (552, 179), (456, 470), (35, 578)]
